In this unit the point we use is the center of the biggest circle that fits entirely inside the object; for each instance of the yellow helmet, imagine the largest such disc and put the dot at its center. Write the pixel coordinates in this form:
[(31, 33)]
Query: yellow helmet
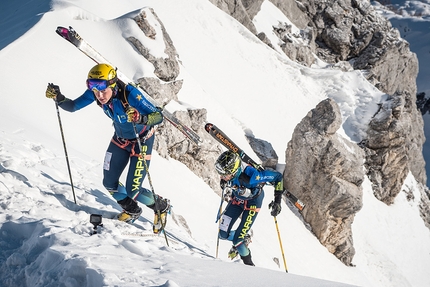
[(101, 76)]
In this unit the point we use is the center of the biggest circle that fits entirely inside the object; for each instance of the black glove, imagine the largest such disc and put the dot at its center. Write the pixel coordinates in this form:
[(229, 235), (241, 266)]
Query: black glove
[(275, 208), (275, 205), (53, 92)]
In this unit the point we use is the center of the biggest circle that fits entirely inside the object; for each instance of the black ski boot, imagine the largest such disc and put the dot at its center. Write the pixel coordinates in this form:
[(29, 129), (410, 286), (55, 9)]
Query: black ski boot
[(247, 259), (131, 210)]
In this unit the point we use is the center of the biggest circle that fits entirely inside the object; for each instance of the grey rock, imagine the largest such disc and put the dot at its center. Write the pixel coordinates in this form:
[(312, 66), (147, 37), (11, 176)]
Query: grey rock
[(166, 69), (264, 151), (325, 171)]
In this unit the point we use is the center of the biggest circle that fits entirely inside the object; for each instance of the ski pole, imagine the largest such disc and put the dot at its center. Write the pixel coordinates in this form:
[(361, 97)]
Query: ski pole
[(65, 149), (217, 239), (143, 154), (280, 243), (218, 218)]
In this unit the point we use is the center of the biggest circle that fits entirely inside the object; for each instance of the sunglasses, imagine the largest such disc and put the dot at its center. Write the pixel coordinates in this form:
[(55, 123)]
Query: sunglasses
[(99, 84)]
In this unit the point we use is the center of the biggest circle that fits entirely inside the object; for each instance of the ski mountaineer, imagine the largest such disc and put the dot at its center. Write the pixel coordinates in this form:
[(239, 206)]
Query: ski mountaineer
[(243, 185), (131, 114)]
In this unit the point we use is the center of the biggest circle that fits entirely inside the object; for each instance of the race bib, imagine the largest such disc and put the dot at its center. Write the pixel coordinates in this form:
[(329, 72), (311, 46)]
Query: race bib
[(225, 222), (106, 163)]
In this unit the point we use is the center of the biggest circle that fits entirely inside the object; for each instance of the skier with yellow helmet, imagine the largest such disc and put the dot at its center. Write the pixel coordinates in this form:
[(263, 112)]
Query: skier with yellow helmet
[(131, 114)]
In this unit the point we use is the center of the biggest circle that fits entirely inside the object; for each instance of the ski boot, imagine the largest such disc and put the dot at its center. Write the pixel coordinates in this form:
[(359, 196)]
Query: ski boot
[(131, 210), (233, 253), (247, 259), (163, 206)]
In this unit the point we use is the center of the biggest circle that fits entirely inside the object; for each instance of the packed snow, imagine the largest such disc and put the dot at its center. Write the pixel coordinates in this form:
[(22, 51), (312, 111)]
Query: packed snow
[(46, 239)]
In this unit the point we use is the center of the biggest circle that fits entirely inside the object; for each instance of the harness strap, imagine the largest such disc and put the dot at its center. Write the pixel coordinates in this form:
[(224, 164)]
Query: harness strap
[(234, 201), (250, 208), (124, 143)]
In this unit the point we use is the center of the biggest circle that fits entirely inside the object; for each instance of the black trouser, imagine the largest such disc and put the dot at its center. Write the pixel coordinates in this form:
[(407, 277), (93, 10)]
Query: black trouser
[(118, 155)]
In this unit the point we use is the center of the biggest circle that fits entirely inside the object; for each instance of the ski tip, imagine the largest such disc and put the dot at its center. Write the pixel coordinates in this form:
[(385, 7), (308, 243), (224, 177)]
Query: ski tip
[(208, 127), (62, 31)]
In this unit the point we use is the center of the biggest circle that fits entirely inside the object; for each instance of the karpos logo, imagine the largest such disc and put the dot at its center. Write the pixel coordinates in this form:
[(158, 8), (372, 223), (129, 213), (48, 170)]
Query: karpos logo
[(248, 222), (138, 172)]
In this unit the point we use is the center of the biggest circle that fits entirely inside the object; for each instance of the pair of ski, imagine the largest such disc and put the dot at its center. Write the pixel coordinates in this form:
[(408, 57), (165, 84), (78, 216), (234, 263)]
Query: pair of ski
[(74, 38), (223, 139)]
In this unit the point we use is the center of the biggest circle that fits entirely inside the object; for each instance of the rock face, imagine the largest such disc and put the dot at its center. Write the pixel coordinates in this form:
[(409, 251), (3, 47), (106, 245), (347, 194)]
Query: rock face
[(393, 142), (325, 172), (264, 151), (170, 142)]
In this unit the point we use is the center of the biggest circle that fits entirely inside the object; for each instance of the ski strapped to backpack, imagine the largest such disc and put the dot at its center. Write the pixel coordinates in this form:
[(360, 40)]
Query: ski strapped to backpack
[(223, 139), (73, 37)]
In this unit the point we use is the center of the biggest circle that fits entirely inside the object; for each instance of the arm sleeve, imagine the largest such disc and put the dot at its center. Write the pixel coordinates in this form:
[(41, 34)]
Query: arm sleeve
[(267, 175), (73, 105), (139, 102)]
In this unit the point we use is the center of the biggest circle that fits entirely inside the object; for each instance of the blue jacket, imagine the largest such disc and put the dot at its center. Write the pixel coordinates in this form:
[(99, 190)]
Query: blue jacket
[(248, 183), (116, 110)]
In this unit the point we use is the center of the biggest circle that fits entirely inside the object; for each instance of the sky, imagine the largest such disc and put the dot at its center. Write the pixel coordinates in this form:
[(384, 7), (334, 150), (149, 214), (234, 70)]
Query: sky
[(246, 87)]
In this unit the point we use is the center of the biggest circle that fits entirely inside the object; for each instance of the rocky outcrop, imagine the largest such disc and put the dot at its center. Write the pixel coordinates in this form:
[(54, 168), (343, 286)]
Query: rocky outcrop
[(351, 30), (264, 151), (166, 69), (326, 171), (170, 142), (245, 10), (392, 139), (242, 11)]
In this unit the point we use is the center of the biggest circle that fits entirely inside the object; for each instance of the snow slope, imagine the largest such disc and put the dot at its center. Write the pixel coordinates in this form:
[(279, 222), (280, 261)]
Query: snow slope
[(245, 86)]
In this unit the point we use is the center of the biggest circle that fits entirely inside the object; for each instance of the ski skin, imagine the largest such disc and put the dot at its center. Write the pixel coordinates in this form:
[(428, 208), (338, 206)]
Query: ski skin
[(223, 139), (75, 39)]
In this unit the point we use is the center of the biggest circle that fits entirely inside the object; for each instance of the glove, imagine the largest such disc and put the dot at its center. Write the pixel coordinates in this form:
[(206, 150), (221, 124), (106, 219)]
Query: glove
[(227, 194), (222, 183), (226, 190), (53, 92), (275, 205), (275, 208), (154, 118), (133, 116)]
